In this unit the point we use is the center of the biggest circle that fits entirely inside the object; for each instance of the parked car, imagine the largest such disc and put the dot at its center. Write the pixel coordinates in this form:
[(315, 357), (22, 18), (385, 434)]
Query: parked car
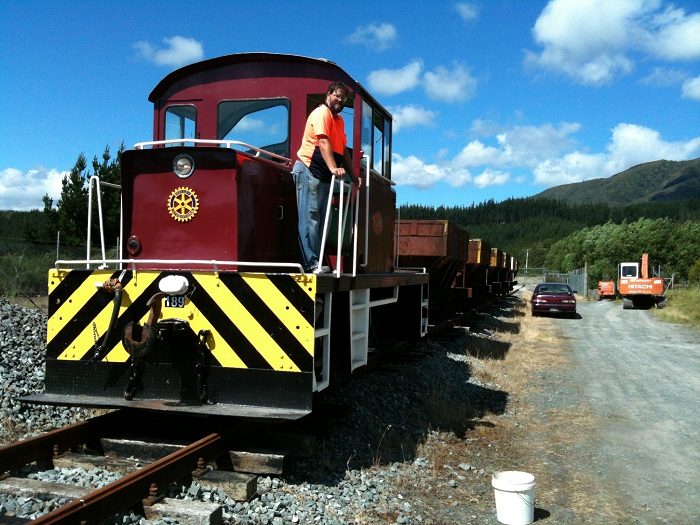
[(553, 298)]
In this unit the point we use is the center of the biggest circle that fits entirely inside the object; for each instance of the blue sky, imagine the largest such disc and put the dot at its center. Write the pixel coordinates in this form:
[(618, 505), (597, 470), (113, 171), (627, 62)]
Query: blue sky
[(491, 98)]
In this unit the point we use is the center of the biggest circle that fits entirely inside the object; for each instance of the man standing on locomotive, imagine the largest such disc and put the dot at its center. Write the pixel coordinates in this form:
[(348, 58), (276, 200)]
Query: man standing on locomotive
[(321, 156)]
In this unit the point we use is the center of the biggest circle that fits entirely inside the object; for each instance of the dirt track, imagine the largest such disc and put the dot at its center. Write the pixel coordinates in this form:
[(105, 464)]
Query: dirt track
[(641, 378), (617, 427)]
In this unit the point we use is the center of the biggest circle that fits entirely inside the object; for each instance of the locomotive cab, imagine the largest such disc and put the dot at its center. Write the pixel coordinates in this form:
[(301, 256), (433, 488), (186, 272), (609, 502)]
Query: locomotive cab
[(245, 198)]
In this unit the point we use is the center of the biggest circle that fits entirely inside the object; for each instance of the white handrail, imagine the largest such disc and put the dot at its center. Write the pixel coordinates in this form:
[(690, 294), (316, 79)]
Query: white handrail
[(213, 262), (346, 209), (355, 231), (367, 177), (342, 214), (96, 183), (227, 143)]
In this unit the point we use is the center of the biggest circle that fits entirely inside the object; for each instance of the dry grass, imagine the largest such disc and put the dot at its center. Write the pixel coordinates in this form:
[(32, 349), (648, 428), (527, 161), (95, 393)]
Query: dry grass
[(533, 348), (683, 307), (38, 303)]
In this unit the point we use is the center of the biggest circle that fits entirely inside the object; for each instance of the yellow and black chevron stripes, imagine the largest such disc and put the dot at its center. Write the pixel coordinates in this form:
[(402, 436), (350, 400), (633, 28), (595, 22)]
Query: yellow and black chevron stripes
[(80, 310), (272, 330), (255, 320)]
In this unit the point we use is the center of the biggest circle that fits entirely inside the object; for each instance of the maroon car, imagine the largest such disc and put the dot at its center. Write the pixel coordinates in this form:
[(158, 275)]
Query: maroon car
[(553, 298)]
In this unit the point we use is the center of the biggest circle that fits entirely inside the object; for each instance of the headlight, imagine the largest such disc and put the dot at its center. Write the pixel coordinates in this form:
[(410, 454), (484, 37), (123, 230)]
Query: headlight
[(183, 166), (173, 285), (133, 245)]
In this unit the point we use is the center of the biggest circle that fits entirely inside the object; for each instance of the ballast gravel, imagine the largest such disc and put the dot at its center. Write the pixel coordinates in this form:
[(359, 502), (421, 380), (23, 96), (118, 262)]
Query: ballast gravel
[(362, 462)]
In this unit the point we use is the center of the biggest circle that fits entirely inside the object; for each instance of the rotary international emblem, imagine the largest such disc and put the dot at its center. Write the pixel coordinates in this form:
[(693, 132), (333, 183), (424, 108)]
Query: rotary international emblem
[(183, 204)]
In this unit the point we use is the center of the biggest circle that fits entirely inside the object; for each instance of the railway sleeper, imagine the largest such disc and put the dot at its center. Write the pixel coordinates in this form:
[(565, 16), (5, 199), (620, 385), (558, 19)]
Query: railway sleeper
[(255, 460), (240, 486), (34, 488), (91, 461), (186, 512)]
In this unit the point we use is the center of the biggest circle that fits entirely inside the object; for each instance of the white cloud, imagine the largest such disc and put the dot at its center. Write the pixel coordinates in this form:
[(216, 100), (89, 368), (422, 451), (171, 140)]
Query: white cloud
[(677, 37), (450, 85), (630, 144), (633, 144), (414, 172), (393, 81), (595, 41), (491, 178), (378, 37), (573, 167), (663, 77), (411, 116), (467, 11), (518, 146), (25, 190), (691, 88), (477, 154), (547, 152), (179, 51)]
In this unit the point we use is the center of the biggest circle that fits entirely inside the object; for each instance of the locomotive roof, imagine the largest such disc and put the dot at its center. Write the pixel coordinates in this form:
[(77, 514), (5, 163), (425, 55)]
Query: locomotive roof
[(334, 72)]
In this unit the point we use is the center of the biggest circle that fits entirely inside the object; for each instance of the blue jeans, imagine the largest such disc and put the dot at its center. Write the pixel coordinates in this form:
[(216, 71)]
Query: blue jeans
[(312, 199)]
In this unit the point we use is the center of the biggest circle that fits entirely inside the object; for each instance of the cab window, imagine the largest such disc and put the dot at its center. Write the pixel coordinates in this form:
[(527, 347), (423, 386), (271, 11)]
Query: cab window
[(376, 140), (180, 123), (260, 123)]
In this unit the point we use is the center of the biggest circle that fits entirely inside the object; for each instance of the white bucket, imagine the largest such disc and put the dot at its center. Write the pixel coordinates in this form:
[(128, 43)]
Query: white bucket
[(515, 497)]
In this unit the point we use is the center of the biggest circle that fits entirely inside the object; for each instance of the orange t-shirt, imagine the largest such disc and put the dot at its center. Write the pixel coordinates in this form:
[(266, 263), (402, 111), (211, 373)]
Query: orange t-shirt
[(321, 121)]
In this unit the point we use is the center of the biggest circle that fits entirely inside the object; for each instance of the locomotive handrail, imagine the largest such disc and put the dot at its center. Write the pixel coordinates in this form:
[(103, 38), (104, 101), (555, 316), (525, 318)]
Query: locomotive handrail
[(213, 262), (342, 214), (96, 183), (367, 177), (227, 143)]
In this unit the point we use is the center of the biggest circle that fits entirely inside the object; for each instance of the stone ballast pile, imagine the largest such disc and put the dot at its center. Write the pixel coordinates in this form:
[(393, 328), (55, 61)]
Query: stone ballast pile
[(22, 345), (358, 475)]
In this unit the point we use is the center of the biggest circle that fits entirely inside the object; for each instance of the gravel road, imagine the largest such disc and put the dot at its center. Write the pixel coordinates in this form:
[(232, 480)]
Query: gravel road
[(618, 423), (642, 379)]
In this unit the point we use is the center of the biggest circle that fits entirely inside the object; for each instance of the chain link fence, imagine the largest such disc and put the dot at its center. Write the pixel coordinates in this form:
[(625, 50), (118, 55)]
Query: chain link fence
[(577, 279), (24, 267)]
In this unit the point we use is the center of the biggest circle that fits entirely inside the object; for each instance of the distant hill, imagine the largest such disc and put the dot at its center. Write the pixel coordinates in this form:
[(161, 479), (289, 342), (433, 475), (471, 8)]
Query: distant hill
[(658, 181)]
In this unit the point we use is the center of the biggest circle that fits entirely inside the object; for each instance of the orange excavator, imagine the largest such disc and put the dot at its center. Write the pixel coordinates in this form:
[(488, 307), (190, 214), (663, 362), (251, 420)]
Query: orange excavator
[(637, 287), (606, 289)]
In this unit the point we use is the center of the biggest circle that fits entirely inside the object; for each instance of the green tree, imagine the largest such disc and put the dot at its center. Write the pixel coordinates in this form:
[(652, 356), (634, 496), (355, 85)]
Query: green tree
[(694, 273), (72, 207), (109, 171)]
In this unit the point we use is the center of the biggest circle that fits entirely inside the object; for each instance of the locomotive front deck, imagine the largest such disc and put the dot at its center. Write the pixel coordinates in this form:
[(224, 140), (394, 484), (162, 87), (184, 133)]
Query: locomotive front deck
[(239, 343)]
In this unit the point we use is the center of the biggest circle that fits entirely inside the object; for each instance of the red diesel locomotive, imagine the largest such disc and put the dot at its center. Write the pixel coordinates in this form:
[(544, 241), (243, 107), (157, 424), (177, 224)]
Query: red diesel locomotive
[(206, 309)]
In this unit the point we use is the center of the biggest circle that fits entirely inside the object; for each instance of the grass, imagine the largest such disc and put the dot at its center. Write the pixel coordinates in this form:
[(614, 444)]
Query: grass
[(683, 306)]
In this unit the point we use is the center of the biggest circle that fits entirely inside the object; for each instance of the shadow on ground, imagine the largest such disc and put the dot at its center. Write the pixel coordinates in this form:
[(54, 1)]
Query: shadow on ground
[(392, 408)]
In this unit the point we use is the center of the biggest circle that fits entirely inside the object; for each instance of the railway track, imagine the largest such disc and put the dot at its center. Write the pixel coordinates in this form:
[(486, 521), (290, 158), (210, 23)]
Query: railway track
[(174, 453)]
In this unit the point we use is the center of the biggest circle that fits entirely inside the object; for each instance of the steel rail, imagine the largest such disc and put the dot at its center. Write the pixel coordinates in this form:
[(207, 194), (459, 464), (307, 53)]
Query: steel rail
[(130, 490), (42, 446)]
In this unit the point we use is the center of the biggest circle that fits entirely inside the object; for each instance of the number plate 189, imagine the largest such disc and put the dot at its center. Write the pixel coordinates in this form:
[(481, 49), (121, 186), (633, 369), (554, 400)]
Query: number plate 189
[(175, 301)]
